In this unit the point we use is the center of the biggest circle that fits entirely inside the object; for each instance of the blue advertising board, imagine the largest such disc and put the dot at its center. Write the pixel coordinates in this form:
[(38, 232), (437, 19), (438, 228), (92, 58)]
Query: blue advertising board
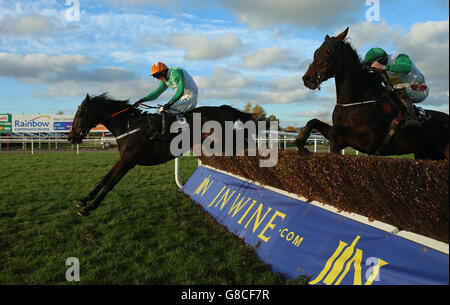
[(62, 126), (297, 238)]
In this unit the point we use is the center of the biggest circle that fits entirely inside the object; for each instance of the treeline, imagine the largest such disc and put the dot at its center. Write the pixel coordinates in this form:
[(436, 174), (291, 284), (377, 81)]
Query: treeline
[(259, 114)]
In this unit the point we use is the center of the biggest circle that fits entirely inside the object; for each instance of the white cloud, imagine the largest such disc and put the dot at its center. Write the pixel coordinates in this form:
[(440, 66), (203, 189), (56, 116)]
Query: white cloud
[(305, 14), (203, 48), (28, 25), (37, 66), (283, 96), (428, 44), (274, 57), (233, 87), (322, 115), (135, 3), (40, 68), (373, 34), (118, 89), (286, 83), (222, 78)]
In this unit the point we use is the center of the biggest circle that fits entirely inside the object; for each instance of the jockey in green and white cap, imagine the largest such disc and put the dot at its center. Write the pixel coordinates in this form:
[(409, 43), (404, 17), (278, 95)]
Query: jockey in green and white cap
[(404, 76)]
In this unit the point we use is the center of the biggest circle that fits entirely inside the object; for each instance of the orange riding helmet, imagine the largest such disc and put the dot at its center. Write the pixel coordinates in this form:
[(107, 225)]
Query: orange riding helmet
[(158, 67)]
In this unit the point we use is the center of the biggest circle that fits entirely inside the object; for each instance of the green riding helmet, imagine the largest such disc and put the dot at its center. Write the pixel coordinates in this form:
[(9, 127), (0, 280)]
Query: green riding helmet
[(376, 54)]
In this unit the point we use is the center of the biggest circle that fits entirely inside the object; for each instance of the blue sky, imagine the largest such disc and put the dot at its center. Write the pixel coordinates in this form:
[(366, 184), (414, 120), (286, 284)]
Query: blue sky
[(238, 51)]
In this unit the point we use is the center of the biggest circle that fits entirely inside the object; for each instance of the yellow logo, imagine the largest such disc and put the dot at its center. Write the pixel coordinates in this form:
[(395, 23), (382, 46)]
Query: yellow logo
[(204, 186), (347, 256)]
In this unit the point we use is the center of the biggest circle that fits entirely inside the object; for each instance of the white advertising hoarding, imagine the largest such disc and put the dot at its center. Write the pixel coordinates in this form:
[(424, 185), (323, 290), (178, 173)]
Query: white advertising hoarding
[(45, 123)]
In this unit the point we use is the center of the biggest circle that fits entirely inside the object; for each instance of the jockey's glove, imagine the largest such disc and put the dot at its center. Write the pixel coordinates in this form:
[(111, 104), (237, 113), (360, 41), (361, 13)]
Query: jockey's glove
[(167, 106), (138, 102)]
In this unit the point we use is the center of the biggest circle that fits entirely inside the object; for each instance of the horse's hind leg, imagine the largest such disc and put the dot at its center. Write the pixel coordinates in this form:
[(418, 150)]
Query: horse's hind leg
[(305, 132), (111, 179)]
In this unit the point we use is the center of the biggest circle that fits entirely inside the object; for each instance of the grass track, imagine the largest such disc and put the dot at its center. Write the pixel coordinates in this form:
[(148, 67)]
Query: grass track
[(144, 232)]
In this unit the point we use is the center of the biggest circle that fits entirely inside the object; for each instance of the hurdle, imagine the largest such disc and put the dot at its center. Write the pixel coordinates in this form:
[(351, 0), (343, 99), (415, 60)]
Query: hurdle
[(299, 237)]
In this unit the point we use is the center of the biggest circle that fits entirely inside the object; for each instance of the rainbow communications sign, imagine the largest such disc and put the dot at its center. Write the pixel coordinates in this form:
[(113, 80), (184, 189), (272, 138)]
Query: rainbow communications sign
[(44, 123)]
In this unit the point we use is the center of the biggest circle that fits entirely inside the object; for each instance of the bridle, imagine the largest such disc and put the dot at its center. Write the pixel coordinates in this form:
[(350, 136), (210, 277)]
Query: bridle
[(86, 123), (322, 76)]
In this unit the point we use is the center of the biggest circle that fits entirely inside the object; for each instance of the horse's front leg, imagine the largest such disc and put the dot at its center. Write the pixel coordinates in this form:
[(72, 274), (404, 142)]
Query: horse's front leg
[(305, 132), (95, 191), (119, 170)]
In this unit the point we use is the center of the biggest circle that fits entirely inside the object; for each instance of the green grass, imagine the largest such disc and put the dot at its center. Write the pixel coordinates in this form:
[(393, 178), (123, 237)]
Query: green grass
[(144, 232)]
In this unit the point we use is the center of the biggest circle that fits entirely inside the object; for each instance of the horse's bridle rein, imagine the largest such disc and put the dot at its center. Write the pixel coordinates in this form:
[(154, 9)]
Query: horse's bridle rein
[(87, 123)]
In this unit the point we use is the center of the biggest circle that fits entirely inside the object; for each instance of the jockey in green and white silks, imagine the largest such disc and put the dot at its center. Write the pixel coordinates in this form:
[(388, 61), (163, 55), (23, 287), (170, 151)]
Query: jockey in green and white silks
[(186, 91), (184, 99), (404, 76)]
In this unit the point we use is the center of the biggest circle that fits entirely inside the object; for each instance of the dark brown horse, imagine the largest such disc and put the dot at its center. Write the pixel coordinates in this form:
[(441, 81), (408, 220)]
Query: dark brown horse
[(366, 111), (131, 128)]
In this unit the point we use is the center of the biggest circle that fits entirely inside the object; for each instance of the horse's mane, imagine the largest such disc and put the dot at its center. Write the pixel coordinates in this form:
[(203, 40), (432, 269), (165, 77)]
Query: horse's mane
[(353, 53), (106, 99)]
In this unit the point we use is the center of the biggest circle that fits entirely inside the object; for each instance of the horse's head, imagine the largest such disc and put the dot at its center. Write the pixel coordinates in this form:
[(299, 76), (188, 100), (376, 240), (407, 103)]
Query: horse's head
[(325, 62), (82, 123)]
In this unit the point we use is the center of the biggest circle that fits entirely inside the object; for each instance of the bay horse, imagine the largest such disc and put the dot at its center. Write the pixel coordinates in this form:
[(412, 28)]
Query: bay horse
[(130, 127), (365, 116)]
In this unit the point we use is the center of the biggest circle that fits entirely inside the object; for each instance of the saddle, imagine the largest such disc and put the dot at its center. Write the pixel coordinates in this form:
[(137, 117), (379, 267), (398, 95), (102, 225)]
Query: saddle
[(421, 115), (152, 122)]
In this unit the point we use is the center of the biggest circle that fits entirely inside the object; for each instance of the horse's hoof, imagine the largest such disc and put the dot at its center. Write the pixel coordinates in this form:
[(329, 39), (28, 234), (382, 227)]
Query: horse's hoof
[(83, 212), (80, 204), (304, 151)]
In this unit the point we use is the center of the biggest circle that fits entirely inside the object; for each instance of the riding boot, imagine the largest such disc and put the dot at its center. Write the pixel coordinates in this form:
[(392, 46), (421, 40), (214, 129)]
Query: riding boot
[(410, 114), (163, 136)]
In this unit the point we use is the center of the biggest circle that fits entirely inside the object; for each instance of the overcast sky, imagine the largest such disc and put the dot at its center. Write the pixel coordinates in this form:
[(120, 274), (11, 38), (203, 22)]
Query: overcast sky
[(238, 51)]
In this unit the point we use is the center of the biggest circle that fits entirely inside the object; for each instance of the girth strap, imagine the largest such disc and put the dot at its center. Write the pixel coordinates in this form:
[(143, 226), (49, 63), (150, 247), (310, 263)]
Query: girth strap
[(392, 129), (127, 133)]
